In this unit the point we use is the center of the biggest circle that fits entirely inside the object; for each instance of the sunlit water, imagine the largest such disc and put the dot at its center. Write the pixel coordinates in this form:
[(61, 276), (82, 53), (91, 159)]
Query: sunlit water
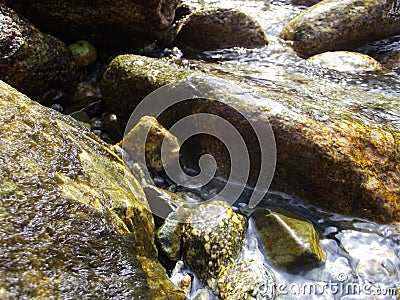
[(362, 257)]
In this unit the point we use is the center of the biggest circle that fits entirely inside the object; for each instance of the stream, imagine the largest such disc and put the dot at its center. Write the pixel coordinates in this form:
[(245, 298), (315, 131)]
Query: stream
[(362, 257)]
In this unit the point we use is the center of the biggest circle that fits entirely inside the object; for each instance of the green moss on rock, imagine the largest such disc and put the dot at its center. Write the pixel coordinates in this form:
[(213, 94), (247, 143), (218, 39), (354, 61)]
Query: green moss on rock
[(78, 223)]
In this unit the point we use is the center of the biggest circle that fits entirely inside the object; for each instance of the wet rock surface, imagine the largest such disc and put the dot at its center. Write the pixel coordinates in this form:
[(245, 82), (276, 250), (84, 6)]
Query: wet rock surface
[(70, 211), (213, 239), (30, 60), (346, 61), (358, 176), (290, 243), (124, 22), (160, 149), (341, 25), (212, 29)]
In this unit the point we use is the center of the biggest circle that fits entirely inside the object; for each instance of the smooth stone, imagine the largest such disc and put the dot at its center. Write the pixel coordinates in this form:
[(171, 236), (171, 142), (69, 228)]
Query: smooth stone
[(30, 60), (75, 223), (247, 280), (341, 25), (122, 22), (83, 52), (291, 244), (212, 29), (213, 236), (346, 61)]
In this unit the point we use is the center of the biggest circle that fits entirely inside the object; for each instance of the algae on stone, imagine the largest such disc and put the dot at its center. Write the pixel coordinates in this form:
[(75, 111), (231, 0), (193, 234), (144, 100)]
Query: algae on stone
[(290, 243), (78, 223), (213, 237)]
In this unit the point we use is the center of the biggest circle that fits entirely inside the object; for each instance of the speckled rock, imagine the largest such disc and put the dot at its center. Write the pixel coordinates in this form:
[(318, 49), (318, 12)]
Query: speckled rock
[(213, 238), (219, 28), (246, 280), (341, 25), (126, 22), (346, 61), (148, 129), (31, 61), (75, 223), (290, 243)]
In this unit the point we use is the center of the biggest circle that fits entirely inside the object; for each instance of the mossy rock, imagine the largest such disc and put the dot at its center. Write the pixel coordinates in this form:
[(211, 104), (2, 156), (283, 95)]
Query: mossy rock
[(291, 243), (212, 29), (213, 237), (341, 25), (122, 22), (30, 60), (347, 61), (75, 222)]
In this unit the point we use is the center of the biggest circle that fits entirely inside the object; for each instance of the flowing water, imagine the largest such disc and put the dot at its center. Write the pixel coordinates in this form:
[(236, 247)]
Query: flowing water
[(362, 257)]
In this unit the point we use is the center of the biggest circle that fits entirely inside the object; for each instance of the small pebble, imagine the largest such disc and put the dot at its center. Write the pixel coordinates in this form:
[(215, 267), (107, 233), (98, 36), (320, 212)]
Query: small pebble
[(57, 107)]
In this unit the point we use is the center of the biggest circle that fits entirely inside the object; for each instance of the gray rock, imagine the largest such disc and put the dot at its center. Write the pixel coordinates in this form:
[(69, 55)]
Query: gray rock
[(75, 223), (30, 60), (213, 238), (246, 280)]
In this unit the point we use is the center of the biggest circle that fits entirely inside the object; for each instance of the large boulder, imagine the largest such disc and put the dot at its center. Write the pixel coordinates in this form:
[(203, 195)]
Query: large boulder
[(341, 25), (123, 22), (212, 29), (75, 222), (30, 60)]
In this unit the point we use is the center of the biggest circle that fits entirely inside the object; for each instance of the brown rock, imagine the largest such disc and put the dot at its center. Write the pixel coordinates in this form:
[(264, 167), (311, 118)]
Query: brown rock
[(31, 61)]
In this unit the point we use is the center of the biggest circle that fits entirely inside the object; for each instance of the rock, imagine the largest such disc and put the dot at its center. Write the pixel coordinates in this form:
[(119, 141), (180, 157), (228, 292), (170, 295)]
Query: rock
[(346, 61), (290, 243), (391, 60), (169, 235), (338, 161), (130, 78), (85, 91), (247, 279), (155, 135), (307, 3), (84, 53), (123, 22), (212, 239), (341, 25), (213, 29), (75, 223), (31, 61)]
